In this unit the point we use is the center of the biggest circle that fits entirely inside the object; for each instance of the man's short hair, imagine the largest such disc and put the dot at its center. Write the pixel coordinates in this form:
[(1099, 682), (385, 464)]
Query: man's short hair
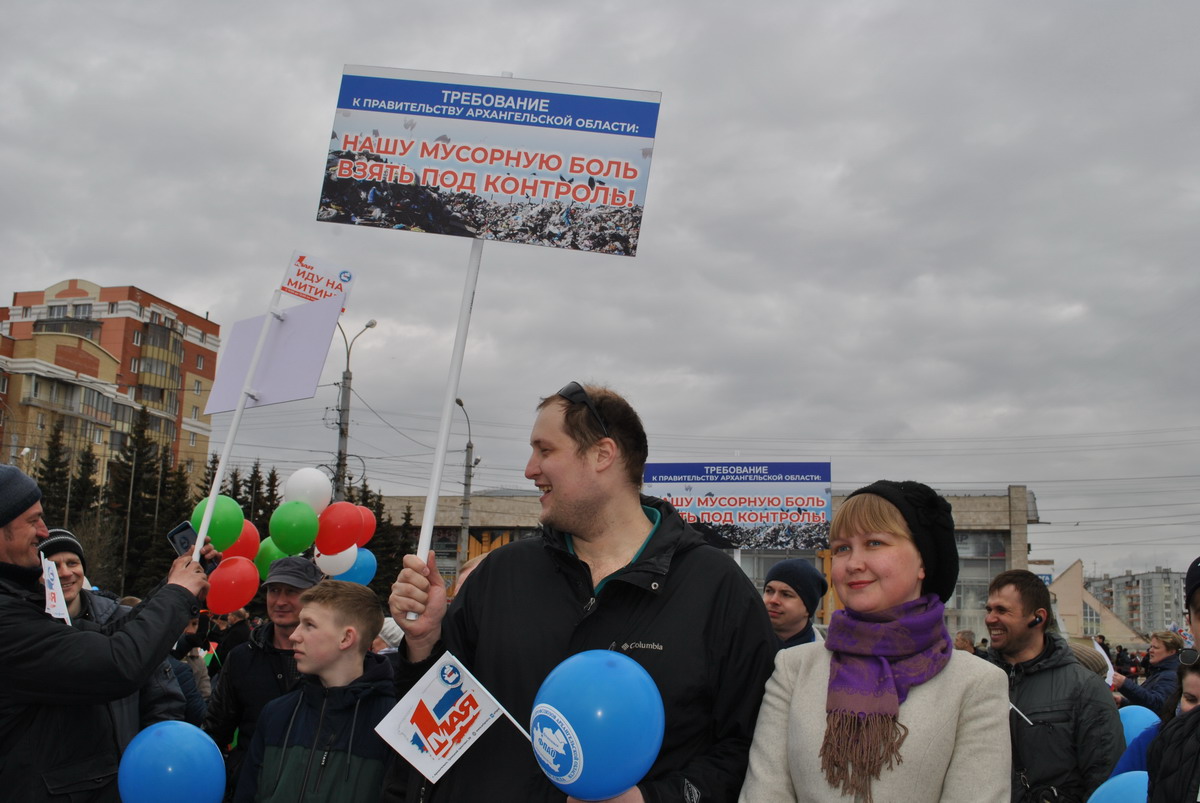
[(1033, 592), (353, 605), (967, 636), (623, 423)]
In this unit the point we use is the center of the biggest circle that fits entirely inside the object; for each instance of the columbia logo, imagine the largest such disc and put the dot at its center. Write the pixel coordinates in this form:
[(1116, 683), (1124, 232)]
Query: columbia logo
[(641, 645)]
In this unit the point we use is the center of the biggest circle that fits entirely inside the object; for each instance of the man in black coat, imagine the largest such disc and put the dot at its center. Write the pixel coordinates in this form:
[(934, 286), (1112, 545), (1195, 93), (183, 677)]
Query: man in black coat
[(57, 737)]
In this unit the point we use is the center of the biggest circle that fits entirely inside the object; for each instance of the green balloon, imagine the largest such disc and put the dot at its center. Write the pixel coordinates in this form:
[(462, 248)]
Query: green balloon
[(226, 524), (294, 527), (268, 553)]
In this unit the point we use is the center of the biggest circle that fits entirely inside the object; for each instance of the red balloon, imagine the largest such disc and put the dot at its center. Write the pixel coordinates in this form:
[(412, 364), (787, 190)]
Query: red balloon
[(340, 524), (247, 544), (368, 525), (232, 584)]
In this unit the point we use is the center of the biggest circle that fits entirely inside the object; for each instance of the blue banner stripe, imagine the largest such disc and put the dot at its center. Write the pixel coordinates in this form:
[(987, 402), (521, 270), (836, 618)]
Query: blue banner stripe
[(495, 104)]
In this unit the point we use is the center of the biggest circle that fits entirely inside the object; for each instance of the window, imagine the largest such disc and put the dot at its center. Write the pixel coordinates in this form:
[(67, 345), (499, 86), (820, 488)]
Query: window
[(112, 308), (196, 387), (37, 388), (135, 364), (56, 311), (200, 361), (25, 312), (137, 337), (41, 420), (203, 336), (190, 465), (83, 310), (191, 439), (183, 330), (195, 411), (4, 384), (155, 317)]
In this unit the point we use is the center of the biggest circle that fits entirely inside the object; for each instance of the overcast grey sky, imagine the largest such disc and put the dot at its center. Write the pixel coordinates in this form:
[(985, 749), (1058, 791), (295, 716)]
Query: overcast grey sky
[(942, 241)]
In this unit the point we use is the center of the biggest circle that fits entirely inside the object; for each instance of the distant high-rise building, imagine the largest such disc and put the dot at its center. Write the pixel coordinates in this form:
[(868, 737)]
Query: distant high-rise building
[(92, 356), (1147, 601)]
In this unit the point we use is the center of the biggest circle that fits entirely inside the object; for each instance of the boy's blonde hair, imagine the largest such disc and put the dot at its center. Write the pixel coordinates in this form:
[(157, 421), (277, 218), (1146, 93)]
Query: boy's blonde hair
[(353, 605)]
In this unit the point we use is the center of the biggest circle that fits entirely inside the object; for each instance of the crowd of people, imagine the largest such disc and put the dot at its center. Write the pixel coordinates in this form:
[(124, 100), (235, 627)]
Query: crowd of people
[(760, 705)]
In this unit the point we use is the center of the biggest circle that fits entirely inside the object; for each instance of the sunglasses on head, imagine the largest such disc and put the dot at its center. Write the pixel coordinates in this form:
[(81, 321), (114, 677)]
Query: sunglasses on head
[(574, 393)]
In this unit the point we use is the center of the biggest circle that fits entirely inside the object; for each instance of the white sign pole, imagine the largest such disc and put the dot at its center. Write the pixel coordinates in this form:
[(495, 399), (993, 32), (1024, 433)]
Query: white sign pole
[(456, 360), (273, 314)]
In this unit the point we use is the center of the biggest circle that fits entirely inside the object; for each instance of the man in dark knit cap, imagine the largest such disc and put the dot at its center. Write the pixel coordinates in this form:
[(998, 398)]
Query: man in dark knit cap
[(792, 594), (57, 736)]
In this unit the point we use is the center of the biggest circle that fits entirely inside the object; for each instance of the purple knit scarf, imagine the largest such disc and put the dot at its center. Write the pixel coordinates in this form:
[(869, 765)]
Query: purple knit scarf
[(877, 657)]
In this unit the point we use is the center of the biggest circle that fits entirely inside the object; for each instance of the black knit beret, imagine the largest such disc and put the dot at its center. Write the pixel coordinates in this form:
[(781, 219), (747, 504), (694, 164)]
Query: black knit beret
[(928, 518), (62, 541), (18, 493)]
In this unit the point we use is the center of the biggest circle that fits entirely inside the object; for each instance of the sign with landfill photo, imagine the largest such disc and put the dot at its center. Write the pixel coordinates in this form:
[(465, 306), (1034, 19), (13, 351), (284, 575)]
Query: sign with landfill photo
[(505, 159), (749, 505)]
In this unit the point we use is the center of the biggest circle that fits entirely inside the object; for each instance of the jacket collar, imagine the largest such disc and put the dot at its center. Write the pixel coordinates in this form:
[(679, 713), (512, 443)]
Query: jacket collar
[(672, 536)]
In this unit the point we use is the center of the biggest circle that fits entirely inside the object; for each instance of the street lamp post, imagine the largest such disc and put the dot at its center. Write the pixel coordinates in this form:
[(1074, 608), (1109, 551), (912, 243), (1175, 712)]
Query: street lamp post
[(464, 533), (339, 475)]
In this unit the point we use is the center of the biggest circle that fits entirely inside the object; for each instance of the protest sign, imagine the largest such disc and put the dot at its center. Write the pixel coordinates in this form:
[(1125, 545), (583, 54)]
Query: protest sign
[(750, 505), (56, 604), (513, 160)]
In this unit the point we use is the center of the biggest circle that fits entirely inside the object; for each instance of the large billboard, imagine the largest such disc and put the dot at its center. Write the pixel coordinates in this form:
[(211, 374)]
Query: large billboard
[(512, 160), (750, 505)]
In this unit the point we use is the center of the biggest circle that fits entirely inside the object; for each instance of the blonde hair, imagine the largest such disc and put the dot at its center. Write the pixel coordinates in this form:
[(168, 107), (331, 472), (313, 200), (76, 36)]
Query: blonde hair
[(868, 513), (1172, 641)]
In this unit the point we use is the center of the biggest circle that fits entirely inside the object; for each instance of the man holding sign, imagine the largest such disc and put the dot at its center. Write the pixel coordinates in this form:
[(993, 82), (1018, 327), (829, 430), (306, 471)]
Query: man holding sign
[(613, 570), (57, 737)]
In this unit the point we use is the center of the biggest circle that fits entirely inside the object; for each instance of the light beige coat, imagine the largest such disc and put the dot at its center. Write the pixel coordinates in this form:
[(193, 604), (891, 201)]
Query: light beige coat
[(957, 747)]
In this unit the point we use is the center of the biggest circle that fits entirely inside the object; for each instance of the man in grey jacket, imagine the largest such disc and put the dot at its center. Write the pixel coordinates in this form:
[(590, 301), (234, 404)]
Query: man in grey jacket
[(1066, 732)]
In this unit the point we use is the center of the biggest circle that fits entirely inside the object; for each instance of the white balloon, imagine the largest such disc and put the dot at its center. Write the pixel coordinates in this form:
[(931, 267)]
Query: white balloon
[(311, 486), (336, 564)]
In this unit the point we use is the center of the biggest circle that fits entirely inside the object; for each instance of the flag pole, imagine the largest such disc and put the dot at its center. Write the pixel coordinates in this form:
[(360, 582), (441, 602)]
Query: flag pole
[(456, 360)]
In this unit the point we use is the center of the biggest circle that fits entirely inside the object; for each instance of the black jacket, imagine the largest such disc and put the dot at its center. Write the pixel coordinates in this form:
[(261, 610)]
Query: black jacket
[(1075, 737), (254, 674), (318, 744), (58, 739), (683, 610), (1173, 760)]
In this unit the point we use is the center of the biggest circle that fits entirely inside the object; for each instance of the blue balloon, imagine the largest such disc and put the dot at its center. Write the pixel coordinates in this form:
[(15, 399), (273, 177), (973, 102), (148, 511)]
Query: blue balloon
[(173, 761), (1135, 719), (1128, 787), (363, 570), (597, 724)]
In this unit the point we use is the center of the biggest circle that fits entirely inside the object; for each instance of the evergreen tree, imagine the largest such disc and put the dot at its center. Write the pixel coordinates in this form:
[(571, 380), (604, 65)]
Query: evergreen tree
[(85, 491), (143, 553), (272, 497), (254, 504), (210, 472), (232, 487), (175, 502), (54, 478), (391, 542)]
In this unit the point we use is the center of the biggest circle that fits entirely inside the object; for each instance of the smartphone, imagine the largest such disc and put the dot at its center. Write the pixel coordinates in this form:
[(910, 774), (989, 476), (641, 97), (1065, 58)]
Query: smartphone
[(183, 538)]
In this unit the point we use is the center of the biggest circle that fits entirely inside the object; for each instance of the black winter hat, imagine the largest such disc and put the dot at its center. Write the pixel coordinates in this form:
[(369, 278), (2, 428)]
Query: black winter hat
[(62, 541), (928, 518), (18, 493), (805, 580)]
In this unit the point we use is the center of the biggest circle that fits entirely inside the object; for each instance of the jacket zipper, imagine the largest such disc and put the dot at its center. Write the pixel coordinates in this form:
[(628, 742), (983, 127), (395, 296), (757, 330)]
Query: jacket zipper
[(316, 738)]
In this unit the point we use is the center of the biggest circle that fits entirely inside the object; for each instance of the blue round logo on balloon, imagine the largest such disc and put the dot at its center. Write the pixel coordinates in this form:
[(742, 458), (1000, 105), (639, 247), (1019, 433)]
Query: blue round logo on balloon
[(597, 724), (555, 745)]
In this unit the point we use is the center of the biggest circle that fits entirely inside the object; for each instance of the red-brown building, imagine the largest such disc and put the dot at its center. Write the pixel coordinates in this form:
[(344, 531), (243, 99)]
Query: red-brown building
[(93, 356)]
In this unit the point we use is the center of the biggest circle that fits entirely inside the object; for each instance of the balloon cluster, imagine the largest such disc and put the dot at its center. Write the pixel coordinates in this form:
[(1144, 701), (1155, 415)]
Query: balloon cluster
[(340, 531)]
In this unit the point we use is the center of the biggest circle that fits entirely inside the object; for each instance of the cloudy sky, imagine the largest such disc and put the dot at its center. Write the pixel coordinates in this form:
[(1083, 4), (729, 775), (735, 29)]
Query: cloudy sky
[(941, 241)]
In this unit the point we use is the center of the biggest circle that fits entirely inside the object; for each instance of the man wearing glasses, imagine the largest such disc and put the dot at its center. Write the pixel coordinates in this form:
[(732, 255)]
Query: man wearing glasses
[(612, 570)]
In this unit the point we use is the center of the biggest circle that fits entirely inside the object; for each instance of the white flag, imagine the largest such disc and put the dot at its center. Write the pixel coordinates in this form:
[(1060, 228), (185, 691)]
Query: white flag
[(56, 605), (440, 717)]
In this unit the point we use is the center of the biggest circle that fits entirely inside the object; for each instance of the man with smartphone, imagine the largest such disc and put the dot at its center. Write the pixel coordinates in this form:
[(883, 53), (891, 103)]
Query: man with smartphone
[(57, 736)]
